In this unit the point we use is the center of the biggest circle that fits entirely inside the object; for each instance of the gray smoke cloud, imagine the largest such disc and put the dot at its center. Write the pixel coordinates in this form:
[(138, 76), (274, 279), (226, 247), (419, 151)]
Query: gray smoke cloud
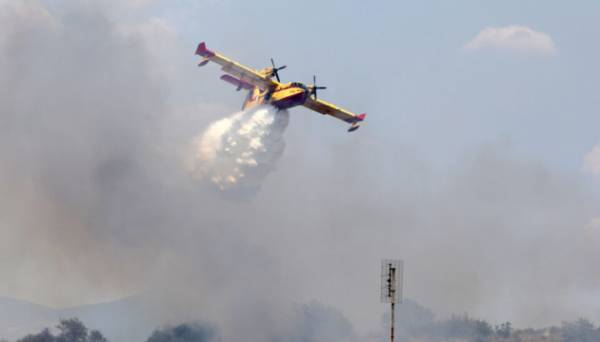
[(80, 108), (95, 195), (96, 199)]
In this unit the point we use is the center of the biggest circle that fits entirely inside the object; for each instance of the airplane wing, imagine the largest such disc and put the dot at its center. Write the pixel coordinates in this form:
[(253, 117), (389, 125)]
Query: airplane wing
[(243, 73), (325, 107)]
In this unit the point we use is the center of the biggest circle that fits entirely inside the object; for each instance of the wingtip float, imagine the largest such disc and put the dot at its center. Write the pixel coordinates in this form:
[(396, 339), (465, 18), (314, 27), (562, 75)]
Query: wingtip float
[(263, 89)]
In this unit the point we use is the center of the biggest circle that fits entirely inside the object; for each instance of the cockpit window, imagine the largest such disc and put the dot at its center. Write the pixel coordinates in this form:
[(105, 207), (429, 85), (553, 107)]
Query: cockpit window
[(298, 84)]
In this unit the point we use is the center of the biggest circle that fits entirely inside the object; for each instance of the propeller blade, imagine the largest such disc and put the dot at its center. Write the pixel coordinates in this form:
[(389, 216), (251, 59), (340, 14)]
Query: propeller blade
[(315, 87), (275, 70)]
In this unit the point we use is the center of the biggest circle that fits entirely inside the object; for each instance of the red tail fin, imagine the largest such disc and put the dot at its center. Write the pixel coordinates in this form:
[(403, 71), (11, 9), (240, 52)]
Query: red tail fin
[(203, 51)]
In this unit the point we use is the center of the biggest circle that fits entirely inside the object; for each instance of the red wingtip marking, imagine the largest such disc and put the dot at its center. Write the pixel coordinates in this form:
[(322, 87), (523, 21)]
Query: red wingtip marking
[(361, 117)]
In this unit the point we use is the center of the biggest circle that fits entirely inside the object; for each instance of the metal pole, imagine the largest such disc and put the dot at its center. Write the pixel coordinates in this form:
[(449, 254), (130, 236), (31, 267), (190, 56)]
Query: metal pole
[(393, 295), (392, 330)]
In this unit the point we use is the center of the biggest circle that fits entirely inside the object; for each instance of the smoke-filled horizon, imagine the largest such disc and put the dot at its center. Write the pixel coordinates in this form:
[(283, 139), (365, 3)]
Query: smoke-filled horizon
[(100, 104)]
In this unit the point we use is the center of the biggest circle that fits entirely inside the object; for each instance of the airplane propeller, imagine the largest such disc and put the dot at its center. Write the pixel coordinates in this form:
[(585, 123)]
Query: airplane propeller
[(275, 71), (314, 88)]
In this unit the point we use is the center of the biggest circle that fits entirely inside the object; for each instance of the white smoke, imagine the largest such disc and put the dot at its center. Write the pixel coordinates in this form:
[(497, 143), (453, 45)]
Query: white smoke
[(237, 152)]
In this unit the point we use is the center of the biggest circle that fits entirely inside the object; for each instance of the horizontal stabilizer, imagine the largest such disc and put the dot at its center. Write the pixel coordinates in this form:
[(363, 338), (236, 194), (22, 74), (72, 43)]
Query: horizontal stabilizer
[(204, 61), (354, 127), (237, 82)]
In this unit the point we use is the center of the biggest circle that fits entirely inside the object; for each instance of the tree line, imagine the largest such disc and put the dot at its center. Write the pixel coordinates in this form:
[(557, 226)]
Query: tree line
[(416, 323), (73, 330)]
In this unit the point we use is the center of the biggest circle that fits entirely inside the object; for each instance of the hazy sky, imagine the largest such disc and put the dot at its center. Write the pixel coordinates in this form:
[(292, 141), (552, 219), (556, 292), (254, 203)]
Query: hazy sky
[(405, 63), (476, 165)]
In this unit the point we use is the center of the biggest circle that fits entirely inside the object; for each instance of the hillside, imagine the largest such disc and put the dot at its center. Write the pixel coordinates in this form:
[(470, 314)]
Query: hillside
[(120, 320)]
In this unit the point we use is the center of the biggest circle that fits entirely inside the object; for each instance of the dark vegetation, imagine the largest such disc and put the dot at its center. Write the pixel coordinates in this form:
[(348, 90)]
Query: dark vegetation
[(318, 324), (184, 333), (417, 324), (464, 328), (69, 330), (73, 330)]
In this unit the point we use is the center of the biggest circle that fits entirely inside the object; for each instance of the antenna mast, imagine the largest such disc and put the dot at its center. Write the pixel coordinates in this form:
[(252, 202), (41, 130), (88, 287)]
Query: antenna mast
[(392, 271)]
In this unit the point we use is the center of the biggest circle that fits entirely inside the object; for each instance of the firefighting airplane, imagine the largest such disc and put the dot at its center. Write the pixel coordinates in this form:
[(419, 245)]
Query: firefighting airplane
[(262, 89)]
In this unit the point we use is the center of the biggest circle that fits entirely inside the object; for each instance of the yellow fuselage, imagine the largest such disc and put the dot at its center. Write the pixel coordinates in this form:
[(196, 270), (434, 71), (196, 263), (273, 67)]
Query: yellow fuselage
[(283, 96)]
